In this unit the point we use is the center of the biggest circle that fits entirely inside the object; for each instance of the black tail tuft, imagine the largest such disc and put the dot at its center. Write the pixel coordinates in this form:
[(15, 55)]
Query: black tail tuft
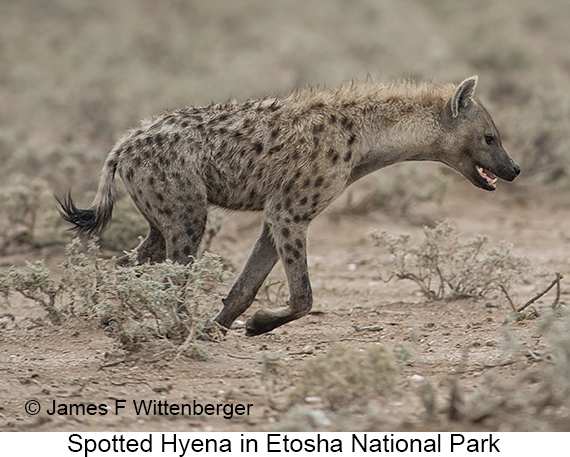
[(84, 220)]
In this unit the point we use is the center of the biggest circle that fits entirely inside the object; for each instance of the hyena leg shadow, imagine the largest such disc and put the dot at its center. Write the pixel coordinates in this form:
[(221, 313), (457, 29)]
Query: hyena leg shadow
[(177, 218)]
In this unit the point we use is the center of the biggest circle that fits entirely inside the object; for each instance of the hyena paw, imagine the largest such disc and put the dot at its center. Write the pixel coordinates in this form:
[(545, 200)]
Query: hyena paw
[(261, 322)]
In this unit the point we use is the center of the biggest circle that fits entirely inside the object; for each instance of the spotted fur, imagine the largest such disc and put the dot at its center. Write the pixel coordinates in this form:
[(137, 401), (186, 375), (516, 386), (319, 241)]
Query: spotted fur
[(288, 157)]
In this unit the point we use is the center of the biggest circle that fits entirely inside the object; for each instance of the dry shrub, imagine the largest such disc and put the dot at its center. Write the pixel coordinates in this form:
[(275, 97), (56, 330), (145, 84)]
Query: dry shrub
[(445, 267), (35, 283), (345, 376), (555, 386), (27, 215), (136, 304), (537, 398), (142, 303)]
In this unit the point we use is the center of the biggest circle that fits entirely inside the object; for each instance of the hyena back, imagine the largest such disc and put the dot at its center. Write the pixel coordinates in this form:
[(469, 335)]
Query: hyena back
[(289, 157)]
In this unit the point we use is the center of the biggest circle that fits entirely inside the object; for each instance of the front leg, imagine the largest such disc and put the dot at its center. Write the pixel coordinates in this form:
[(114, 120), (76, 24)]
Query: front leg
[(290, 240), (262, 259)]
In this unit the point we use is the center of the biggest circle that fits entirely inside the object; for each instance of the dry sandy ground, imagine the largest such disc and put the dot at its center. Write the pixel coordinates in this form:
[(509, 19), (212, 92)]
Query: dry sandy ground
[(64, 364)]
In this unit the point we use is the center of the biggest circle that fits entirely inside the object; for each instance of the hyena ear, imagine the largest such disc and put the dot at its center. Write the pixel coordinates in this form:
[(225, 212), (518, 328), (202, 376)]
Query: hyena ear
[(462, 96)]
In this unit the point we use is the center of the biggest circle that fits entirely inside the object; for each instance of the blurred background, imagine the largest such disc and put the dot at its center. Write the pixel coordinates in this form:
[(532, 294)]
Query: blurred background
[(74, 74)]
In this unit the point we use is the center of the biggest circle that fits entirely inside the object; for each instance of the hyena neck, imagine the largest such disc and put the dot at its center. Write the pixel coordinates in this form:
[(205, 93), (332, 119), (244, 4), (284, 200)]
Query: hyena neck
[(398, 129)]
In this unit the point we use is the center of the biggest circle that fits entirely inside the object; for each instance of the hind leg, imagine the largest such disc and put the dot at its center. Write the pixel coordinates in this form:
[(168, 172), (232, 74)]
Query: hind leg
[(180, 213), (183, 231), (175, 207), (151, 250), (153, 247)]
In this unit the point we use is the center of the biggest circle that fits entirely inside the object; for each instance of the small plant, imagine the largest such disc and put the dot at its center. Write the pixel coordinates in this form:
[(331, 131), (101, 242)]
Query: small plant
[(540, 391), (275, 291), (555, 326), (345, 375), (165, 300), (27, 218), (35, 283), (135, 303), (446, 268)]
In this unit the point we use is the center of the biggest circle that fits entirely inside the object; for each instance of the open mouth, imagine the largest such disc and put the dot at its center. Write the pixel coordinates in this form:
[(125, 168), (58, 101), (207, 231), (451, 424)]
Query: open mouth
[(488, 179)]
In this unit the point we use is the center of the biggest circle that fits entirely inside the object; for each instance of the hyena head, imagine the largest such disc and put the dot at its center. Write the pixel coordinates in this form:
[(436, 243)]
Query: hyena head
[(472, 143)]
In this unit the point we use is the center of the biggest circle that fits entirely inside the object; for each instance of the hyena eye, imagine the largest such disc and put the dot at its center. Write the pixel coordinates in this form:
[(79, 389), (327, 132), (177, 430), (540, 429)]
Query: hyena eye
[(489, 139)]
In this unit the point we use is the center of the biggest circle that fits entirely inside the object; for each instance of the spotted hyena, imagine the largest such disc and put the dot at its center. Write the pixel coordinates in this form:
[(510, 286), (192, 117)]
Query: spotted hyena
[(290, 158)]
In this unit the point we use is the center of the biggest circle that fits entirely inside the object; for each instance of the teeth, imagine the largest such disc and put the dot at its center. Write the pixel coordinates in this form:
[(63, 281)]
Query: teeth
[(487, 175)]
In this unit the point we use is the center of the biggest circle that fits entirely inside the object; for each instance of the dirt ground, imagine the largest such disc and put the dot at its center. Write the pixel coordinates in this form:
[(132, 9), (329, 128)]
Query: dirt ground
[(66, 364), (75, 75)]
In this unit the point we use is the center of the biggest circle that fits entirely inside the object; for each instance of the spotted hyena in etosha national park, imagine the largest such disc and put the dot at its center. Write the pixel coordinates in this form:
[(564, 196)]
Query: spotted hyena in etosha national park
[(289, 157)]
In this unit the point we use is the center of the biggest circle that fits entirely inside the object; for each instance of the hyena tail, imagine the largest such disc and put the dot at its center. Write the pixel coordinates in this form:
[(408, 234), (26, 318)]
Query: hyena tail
[(92, 221)]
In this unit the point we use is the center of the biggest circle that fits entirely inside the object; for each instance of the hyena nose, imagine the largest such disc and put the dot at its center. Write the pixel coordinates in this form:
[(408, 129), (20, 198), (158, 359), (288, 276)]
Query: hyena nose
[(509, 171), (516, 168)]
